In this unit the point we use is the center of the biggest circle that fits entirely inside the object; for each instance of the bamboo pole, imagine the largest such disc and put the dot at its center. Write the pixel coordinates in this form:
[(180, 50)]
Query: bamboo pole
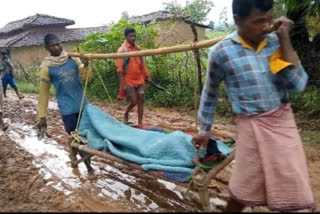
[(213, 172), (105, 155), (110, 157), (82, 159), (151, 52)]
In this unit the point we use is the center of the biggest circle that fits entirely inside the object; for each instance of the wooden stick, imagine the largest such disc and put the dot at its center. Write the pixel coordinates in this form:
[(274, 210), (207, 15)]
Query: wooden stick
[(109, 157), (213, 172), (151, 52), (83, 159)]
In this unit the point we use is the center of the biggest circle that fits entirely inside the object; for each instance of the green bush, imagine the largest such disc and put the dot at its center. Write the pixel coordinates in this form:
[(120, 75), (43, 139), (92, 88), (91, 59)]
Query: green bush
[(27, 80), (308, 101)]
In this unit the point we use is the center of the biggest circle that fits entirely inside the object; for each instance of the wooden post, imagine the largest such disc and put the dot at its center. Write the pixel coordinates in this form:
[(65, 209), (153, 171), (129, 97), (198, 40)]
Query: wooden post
[(196, 53), (203, 191)]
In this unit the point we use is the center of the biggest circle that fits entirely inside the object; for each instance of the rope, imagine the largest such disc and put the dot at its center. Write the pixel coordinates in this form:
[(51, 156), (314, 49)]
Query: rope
[(82, 101), (105, 88), (74, 134), (198, 185), (76, 138)]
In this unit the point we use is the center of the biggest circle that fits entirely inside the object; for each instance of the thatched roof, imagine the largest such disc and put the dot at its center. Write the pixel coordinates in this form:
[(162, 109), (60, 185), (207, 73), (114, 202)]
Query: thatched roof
[(162, 16), (34, 38), (38, 20), (30, 31)]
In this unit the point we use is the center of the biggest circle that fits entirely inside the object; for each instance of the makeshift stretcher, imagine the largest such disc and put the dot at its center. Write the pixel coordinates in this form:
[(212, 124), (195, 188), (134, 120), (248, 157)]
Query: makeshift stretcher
[(200, 178), (120, 151)]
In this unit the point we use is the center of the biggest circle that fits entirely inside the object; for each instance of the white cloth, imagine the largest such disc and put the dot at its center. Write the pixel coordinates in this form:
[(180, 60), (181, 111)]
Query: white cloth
[(55, 60)]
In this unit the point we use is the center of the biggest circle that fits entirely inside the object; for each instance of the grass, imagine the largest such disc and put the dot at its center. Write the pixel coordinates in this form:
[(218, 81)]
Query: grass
[(31, 88), (311, 138), (215, 34)]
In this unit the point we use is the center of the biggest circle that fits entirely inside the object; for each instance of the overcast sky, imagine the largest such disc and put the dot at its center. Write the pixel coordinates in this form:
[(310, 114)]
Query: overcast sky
[(91, 13)]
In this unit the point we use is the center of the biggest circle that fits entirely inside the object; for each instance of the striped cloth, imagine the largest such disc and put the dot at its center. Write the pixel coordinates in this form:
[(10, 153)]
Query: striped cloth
[(270, 164)]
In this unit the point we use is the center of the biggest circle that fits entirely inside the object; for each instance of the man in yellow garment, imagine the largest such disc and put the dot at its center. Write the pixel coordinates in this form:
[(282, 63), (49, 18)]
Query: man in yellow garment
[(64, 73)]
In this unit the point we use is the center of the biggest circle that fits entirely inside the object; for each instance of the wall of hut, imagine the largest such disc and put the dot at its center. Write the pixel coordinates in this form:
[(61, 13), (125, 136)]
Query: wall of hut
[(175, 32), (33, 55)]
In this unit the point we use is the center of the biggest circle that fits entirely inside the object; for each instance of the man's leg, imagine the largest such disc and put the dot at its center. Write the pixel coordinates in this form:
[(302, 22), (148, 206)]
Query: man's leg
[(140, 92), (2, 125), (132, 98), (4, 86), (70, 125), (13, 85), (68, 122), (73, 153)]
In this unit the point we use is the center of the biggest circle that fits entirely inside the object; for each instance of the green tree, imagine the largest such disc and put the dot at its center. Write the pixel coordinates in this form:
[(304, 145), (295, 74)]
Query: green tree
[(175, 8), (306, 33), (196, 10), (125, 15)]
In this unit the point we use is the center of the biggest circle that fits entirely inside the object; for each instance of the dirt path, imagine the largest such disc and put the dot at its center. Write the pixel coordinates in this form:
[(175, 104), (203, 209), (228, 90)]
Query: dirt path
[(36, 176)]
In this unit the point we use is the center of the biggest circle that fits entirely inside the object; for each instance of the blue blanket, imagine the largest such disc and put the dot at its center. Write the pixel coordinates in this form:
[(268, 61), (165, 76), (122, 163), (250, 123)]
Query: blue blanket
[(151, 149)]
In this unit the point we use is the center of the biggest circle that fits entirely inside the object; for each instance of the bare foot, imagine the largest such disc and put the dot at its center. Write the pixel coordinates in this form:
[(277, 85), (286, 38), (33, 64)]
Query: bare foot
[(21, 97)]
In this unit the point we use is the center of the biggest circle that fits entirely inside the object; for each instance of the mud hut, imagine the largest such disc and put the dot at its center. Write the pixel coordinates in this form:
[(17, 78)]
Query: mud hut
[(174, 29), (25, 37)]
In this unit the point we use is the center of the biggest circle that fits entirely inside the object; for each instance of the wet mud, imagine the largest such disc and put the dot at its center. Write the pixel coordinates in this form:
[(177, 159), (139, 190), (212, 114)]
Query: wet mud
[(36, 175)]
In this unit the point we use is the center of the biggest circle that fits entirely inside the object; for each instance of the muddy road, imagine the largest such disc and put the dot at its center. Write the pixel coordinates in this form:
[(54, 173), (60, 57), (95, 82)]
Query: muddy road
[(36, 176)]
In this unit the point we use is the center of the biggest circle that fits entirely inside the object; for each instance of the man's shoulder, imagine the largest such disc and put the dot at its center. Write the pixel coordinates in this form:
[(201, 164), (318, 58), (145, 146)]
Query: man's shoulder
[(222, 46), (121, 49)]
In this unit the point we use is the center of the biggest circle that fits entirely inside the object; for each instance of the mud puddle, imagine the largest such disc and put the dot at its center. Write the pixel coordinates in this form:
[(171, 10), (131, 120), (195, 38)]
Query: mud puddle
[(111, 189)]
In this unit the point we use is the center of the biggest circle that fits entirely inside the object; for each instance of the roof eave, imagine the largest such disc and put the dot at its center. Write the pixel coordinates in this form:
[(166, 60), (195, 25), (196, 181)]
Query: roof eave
[(198, 24)]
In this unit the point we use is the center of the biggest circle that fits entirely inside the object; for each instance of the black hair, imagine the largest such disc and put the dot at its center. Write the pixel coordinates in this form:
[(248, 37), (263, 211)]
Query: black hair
[(49, 37), (243, 8), (129, 30)]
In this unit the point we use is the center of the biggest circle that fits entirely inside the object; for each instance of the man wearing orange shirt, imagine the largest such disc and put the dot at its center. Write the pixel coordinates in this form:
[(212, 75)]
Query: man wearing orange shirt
[(132, 74)]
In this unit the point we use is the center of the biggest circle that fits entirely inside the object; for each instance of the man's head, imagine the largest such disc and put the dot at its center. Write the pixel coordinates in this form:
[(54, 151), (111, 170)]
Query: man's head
[(130, 35), (52, 44), (253, 18)]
